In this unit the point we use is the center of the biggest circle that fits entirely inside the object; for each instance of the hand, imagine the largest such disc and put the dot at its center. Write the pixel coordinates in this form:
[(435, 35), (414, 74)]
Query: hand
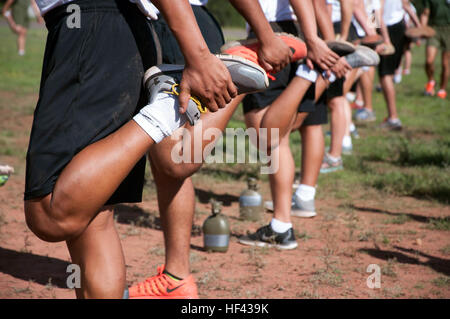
[(341, 68), (209, 81), (319, 52), (274, 55)]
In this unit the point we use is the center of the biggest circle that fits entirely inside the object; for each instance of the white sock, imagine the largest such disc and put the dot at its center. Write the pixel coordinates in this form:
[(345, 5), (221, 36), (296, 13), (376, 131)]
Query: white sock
[(351, 127), (306, 192), (21, 52), (347, 141), (359, 103), (160, 118), (330, 78), (333, 159), (279, 227), (306, 73)]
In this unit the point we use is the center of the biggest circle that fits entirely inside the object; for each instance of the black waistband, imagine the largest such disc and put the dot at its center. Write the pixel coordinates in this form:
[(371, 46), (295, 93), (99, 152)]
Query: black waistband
[(54, 15)]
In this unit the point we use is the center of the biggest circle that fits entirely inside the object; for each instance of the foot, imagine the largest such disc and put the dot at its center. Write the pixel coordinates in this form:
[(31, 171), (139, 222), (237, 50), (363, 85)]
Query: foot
[(393, 125), (441, 94), (429, 88), (267, 237), (162, 286), (341, 48), (330, 164), (302, 208), (248, 48), (161, 116), (372, 41), (365, 115), (363, 56)]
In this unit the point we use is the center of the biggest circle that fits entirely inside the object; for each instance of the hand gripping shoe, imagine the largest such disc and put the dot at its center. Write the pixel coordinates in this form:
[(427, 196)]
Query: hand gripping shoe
[(247, 76)]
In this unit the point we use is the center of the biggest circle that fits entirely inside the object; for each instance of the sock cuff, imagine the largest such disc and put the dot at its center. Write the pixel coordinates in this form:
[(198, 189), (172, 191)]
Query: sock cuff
[(306, 73), (149, 127), (279, 227)]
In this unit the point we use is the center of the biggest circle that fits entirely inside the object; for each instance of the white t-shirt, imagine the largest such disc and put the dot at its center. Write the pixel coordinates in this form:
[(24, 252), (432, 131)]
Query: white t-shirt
[(193, 2), (371, 6), (47, 5), (393, 12), (277, 10), (335, 10)]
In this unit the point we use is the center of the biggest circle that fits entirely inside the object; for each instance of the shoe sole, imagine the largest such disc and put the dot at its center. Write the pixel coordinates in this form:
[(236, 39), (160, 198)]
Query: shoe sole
[(268, 245), (303, 214), (330, 170), (341, 48), (156, 70), (254, 41), (363, 56)]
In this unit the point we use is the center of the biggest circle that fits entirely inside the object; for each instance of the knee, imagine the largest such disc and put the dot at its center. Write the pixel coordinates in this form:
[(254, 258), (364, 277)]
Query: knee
[(180, 171), (48, 228)]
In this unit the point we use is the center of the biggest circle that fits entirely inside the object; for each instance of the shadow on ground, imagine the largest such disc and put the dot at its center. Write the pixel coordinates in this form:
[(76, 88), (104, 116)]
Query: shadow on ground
[(438, 264), (28, 266)]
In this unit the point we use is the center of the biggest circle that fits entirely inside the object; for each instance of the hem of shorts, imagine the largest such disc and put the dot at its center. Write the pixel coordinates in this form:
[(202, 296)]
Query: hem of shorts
[(41, 192)]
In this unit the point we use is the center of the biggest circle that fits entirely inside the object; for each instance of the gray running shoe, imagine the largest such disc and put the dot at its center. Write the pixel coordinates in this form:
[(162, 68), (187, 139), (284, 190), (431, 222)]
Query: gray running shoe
[(363, 56), (341, 48), (365, 115), (267, 237), (303, 208), (246, 75), (393, 125)]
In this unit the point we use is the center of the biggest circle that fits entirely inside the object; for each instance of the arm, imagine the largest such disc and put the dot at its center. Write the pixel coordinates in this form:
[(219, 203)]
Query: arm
[(7, 6), (383, 27), (318, 51), (425, 16), (324, 20), (346, 17), (273, 54), (204, 76), (410, 12), (360, 14), (36, 11)]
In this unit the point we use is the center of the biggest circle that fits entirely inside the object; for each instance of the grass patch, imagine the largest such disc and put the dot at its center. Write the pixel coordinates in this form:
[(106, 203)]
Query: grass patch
[(442, 223), (443, 281)]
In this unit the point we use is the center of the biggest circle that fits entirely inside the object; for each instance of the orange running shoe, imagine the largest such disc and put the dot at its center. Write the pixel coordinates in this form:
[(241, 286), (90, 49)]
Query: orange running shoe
[(429, 88), (162, 286), (248, 48), (441, 94)]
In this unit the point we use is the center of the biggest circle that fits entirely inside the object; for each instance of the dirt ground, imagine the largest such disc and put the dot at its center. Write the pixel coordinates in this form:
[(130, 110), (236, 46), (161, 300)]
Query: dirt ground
[(335, 248)]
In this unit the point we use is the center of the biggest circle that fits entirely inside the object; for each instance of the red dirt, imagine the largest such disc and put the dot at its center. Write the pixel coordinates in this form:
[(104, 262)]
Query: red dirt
[(335, 248)]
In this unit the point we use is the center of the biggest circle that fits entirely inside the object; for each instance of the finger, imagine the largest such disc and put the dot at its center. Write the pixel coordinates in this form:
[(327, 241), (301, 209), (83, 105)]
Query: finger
[(231, 88), (309, 64), (265, 65), (183, 98)]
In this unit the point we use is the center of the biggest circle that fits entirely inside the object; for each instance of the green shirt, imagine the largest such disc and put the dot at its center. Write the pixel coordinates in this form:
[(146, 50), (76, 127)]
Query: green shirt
[(439, 12)]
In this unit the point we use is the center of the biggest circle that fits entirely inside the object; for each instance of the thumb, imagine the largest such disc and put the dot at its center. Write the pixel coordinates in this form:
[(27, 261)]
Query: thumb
[(183, 98), (266, 66)]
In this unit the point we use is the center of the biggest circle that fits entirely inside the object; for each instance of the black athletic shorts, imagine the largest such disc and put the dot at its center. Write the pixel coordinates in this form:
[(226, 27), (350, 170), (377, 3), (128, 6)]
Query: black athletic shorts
[(282, 79), (91, 85), (390, 63), (210, 28), (320, 114)]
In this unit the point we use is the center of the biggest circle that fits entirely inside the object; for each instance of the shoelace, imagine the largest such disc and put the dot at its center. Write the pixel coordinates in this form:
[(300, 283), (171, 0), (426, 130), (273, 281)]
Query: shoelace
[(200, 107), (154, 285)]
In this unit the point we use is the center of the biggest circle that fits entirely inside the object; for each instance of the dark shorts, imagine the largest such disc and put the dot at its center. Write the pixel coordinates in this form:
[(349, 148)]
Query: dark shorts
[(210, 28), (91, 85), (352, 33), (390, 63), (282, 79), (320, 114), (20, 13)]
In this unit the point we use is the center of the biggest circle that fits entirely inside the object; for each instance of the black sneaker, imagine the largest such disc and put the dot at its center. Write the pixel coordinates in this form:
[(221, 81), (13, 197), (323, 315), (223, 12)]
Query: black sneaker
[(267, 237)]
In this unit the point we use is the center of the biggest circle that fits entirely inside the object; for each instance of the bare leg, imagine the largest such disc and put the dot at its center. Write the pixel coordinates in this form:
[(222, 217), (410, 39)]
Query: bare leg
[(86, 183), (387, 83), (366, 81), (313, 148), (176, 201), (431, 53), (338, 125), (21, 39), (445, 69), (99, 254)]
